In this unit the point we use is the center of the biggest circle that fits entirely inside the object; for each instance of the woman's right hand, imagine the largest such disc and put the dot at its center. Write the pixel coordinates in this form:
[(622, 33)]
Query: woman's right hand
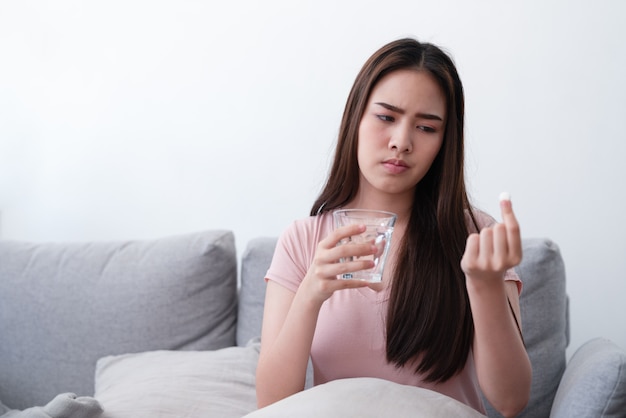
[(321, 279), (289, 320)]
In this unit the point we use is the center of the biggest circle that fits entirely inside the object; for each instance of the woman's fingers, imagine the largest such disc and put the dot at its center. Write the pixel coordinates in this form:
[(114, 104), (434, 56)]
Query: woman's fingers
[(339, 234), (333, 259), (332, 249), (501, 245), (513, 236), (470, 256), (496, 248), (486, 244)]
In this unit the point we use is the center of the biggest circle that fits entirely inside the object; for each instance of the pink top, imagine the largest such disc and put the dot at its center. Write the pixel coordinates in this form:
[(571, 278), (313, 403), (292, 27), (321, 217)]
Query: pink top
[(349, 339)]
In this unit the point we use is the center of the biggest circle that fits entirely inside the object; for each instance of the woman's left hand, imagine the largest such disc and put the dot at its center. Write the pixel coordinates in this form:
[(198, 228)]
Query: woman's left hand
[(502, 365), (495, 249)]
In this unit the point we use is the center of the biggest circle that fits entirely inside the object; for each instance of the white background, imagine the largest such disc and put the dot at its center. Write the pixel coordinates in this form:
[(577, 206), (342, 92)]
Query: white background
[(139, 118)]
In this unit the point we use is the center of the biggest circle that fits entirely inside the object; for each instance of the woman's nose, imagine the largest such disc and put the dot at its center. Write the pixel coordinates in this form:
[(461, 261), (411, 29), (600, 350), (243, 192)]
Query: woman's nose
[(401, 139)]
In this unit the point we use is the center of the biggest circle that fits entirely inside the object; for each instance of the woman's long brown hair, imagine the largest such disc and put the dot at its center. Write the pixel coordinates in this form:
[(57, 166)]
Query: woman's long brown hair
[(429, 322)]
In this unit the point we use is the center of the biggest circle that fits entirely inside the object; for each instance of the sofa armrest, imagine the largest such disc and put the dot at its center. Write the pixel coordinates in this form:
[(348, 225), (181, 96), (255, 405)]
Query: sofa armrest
[(594, 382)]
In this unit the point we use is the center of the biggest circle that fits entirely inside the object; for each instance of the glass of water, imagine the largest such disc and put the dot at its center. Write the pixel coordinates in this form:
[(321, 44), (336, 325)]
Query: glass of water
[(378, 230)]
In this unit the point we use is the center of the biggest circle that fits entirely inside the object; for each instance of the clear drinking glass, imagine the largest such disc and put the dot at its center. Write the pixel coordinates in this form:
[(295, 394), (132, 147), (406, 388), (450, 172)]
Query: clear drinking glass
[(378, 231)]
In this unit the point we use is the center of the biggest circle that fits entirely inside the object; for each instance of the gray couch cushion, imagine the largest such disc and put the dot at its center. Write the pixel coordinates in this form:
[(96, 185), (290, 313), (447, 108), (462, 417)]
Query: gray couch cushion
[(255, 261), (544, 320), (366, 397), (594, 383), (65, 305), (175, 384)]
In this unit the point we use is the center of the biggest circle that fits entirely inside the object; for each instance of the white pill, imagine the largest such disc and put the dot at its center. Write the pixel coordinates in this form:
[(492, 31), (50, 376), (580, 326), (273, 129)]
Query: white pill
[(505, 196)]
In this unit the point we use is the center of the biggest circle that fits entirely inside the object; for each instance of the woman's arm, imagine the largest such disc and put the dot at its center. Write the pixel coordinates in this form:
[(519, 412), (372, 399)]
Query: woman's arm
[(289, 319), (502, 363), (288, 328)]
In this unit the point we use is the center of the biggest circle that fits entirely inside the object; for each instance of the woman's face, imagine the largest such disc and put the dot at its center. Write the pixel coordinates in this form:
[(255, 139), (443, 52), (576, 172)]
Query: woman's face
[(401, 132)]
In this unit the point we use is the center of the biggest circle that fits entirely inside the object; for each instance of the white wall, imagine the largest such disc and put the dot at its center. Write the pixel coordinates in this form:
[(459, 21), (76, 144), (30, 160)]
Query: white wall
[(138, 119)]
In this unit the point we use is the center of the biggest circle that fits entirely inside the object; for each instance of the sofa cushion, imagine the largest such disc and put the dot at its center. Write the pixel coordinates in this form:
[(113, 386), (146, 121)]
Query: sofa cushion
[(65, 305), (172, 384), (543, 305), (594, 382), (255, 261), (366, 397), (544, 320)]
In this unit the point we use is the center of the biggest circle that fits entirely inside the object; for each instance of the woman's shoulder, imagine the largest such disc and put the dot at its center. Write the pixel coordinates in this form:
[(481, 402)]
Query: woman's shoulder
[(311, 223), (296, 248), (476, 219), (309, 230)]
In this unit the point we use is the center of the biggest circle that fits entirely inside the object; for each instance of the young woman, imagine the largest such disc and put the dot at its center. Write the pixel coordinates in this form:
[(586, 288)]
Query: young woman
[(446, 316)]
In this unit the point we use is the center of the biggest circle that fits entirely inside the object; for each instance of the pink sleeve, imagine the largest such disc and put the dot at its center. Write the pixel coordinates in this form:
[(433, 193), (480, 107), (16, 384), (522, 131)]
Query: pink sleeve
[(289, 264)]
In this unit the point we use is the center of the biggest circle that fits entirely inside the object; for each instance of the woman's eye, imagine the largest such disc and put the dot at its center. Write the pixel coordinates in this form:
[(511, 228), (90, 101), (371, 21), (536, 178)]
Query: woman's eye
[(385, 118), (426, 129)]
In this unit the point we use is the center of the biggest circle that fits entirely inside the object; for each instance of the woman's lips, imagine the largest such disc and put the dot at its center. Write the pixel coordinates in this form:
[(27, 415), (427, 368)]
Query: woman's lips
[(395, 166)]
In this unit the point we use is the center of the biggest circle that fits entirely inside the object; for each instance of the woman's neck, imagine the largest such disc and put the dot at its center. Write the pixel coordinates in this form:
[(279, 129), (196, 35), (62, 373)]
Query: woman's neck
[(399, 204)]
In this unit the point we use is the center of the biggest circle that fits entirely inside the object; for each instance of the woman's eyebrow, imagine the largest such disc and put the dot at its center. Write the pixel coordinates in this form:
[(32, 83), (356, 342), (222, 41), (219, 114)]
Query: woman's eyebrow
[(402, 112)]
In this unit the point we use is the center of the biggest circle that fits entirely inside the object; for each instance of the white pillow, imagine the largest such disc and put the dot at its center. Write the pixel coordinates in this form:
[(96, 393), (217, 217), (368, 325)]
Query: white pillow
[(164, 384), (366, 397)]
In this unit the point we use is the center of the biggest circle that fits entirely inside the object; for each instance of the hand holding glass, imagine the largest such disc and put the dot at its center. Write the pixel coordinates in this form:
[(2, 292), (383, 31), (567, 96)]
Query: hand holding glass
[(378, 230)]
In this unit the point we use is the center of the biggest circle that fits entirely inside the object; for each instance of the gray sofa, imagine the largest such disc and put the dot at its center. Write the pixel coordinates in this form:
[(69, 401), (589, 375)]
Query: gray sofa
[(170, 327)]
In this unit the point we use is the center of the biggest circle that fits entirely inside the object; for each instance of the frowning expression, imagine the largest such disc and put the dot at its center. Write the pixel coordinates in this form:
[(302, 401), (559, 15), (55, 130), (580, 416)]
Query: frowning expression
[(401, 131)]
